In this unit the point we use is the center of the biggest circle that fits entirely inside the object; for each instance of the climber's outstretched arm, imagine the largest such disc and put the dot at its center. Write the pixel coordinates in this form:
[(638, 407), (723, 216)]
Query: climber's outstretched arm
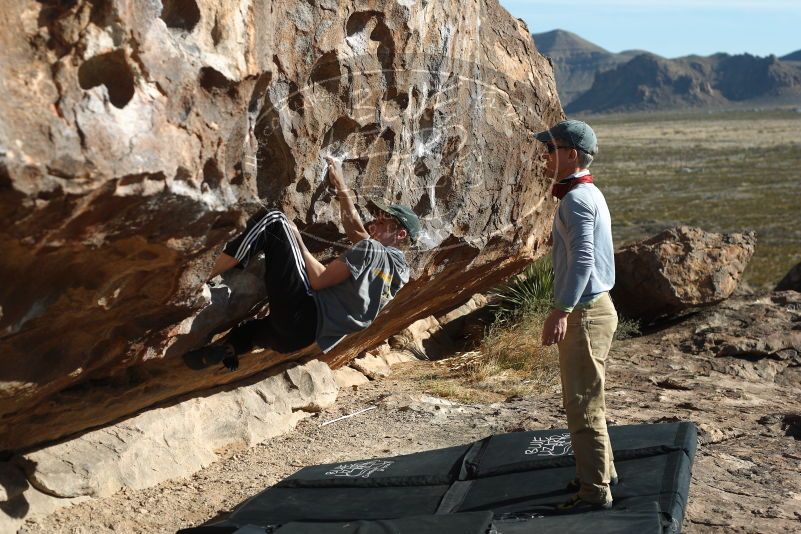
[(354, 227)]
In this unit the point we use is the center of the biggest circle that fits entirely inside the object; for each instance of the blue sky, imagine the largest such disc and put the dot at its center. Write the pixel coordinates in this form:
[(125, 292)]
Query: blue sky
[(671, 28)]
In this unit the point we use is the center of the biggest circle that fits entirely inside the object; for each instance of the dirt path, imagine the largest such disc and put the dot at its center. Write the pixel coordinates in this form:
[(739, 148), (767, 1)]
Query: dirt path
[(746, 478)]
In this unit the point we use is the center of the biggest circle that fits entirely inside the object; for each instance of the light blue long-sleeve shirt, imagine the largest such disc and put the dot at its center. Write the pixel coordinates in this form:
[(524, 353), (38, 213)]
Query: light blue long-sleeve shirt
[(583, 252)]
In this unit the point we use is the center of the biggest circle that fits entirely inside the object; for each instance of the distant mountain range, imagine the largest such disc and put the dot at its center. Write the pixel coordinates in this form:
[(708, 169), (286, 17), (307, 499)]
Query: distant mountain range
[(593, 80)]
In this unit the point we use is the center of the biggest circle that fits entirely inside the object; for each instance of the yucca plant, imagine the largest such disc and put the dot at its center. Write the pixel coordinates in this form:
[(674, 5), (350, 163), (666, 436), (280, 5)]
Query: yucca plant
[(531, 290)]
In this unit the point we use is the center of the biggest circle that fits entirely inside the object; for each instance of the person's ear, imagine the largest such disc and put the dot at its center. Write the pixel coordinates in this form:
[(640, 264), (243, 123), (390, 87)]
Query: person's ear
[(573, 156), (401, 234)]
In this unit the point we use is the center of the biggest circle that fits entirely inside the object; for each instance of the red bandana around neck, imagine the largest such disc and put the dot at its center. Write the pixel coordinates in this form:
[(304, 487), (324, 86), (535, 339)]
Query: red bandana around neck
[(564, 187)]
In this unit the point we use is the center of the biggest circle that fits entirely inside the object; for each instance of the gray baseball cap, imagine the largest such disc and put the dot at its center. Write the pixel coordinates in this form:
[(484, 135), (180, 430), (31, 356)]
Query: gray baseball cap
[(576, 134)]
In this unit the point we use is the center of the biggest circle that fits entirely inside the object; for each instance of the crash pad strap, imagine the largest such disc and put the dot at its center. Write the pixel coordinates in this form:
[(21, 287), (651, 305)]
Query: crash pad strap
[(459, 489), (472, 459), (454, 497)]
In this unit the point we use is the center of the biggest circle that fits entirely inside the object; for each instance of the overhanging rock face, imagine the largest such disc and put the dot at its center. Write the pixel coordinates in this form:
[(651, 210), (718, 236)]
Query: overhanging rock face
[(136, 137)]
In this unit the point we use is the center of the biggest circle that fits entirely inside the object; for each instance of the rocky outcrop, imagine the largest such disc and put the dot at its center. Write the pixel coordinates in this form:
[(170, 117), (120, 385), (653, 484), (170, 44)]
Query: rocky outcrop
[(170, 442), (791, 281), (744, 402), (755, 340), (164, 443), (677, 270), (137, 137)]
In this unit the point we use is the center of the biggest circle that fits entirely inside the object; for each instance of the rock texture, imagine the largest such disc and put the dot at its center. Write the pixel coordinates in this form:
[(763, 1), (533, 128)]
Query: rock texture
[(136, 137), (349, 378), (771, 349), (791, 281), (372, 366), (170, 442), (677, 270), (746, 477), (165, 443)]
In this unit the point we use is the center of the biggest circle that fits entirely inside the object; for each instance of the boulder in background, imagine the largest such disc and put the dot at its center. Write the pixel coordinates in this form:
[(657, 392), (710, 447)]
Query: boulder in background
[(677, 270)]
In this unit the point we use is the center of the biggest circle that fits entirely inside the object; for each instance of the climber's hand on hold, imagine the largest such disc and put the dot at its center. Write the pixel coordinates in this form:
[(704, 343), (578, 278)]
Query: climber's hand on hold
[(336, 177)]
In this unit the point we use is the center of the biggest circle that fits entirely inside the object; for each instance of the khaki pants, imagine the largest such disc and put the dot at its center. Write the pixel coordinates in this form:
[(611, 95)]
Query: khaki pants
[(582, 363)]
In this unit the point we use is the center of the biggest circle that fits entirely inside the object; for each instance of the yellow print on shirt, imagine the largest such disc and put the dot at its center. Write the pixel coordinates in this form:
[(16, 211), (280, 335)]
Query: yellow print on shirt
[(383, 275)]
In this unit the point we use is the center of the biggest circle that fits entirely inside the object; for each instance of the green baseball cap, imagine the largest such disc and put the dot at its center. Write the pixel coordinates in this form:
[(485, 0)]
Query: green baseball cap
[(576, 134), (405, 216)]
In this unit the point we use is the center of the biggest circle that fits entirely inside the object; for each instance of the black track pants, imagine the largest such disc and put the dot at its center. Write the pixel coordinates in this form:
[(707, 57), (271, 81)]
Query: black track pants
[(292, 322)]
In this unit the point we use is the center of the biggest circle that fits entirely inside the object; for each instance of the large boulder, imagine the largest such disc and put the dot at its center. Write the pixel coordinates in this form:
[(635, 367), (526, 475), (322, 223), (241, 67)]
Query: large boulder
[(136, 137), (677, 270), (791, 281)]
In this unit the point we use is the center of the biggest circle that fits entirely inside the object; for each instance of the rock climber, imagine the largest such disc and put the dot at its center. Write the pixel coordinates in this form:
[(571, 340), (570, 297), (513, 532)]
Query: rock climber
[(583, 319), (310, 302)]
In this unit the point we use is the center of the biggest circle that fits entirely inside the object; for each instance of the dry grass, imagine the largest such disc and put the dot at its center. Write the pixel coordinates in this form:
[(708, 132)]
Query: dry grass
[(509, 362), (454, 389), (514, 348)]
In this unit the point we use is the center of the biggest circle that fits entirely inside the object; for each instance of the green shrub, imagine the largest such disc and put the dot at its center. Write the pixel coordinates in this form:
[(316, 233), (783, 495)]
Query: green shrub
[(627, 329), (529, 291)]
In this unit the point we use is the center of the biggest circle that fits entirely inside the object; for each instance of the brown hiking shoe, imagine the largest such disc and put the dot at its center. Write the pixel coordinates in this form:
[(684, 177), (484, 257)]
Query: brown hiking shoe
[(577, 505), (575, 484)]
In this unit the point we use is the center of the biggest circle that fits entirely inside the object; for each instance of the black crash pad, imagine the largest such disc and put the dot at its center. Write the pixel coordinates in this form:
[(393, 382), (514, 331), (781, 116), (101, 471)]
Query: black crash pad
[(503, 484)]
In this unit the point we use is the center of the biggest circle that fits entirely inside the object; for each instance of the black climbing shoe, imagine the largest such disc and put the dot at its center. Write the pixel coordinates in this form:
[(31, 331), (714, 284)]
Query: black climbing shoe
[(577, 505), (231, 362), (575, 484), (210, 355)]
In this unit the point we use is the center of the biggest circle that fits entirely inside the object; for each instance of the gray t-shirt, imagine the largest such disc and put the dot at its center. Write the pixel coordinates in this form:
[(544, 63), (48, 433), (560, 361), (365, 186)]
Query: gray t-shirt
[(377, 273)]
